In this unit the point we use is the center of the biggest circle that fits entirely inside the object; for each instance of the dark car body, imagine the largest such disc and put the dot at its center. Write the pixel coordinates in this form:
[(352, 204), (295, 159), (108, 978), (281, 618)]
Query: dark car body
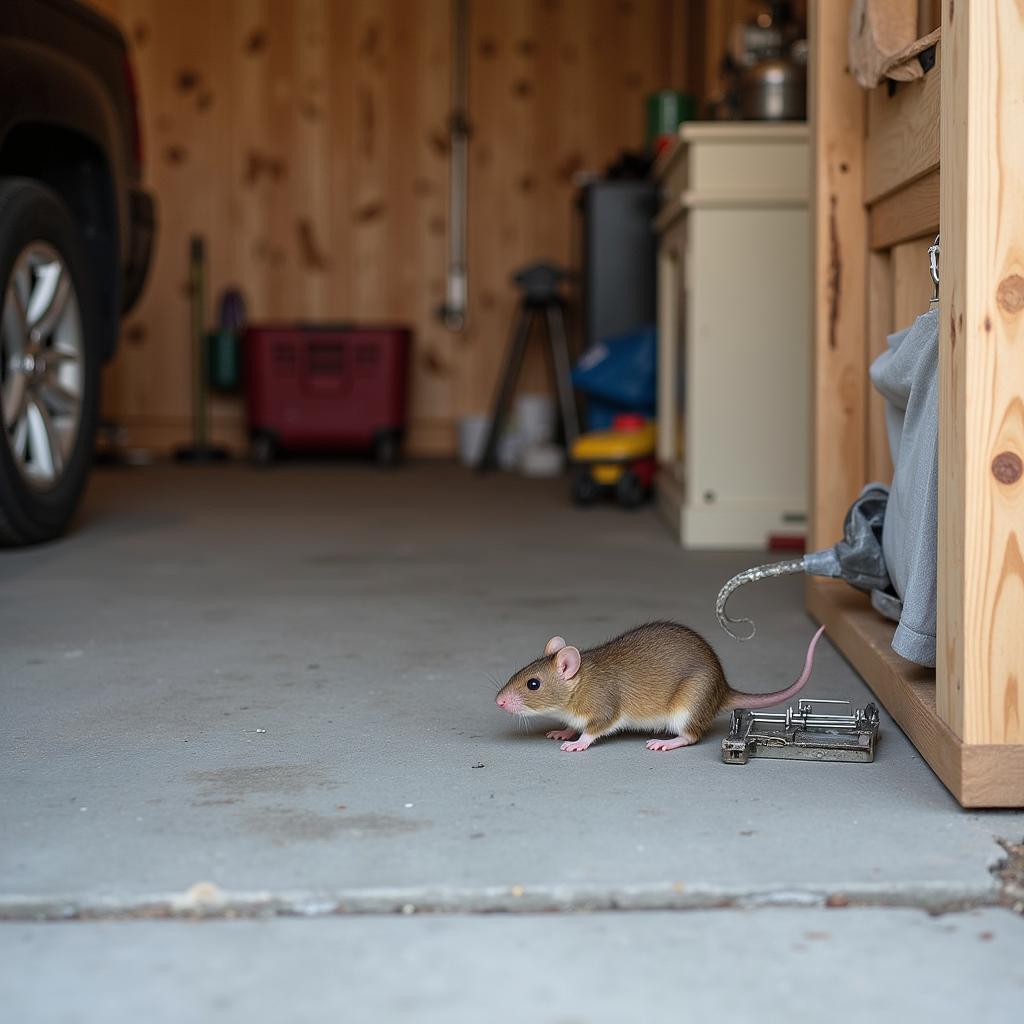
[(68, 119)]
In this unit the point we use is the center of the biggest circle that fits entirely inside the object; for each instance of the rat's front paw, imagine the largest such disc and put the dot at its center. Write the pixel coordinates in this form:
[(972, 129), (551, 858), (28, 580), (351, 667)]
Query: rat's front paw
[(581, 744), (562, 734)]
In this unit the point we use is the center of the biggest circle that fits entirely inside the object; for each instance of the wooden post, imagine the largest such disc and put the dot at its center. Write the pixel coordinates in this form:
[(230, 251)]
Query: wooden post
[(980, 677), (839, 359)]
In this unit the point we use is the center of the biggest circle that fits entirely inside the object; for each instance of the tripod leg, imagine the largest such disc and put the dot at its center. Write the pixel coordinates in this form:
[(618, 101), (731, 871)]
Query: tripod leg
[(563, 372), (507, 384)]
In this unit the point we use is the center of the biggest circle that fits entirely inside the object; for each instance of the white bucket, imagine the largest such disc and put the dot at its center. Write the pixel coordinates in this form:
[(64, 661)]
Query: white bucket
[(472, 438), (535, 418), (542, 460)]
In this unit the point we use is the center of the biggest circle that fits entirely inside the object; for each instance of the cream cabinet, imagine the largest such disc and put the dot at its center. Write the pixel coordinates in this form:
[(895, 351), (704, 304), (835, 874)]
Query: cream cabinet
[(734, 333)]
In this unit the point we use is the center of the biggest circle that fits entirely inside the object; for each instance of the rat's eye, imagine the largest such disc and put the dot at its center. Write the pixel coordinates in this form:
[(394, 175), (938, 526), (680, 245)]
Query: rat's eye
[(533, 684)]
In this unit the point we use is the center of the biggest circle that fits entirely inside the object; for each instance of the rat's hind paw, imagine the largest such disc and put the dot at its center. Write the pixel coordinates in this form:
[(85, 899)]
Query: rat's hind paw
[(679, 741), (562, 734)]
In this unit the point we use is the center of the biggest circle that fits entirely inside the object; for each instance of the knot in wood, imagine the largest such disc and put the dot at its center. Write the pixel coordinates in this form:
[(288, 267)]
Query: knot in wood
[(1010, 294), (1007, 467)]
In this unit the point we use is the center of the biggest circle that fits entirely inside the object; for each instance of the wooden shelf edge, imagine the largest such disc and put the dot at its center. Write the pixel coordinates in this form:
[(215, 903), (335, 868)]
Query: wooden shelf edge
[(977, 775)]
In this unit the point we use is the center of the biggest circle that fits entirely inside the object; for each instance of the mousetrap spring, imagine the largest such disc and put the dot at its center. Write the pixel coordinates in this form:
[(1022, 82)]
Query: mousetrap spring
[(803, 733)]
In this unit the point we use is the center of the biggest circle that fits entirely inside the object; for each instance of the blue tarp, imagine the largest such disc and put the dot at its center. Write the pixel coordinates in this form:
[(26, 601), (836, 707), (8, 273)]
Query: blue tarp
[(619, 375)]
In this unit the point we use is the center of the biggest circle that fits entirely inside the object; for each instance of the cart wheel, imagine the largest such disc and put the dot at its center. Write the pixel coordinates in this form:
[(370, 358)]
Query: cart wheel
[(630, 491), (583, 487), (263, 448), (387, 448)]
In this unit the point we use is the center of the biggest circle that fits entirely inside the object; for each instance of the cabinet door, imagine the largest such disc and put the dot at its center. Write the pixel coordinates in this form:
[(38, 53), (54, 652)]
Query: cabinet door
[(747, 357)]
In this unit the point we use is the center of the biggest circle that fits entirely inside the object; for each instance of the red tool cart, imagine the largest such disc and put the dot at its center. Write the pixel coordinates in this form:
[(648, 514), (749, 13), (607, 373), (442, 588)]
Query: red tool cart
[(326, 388)]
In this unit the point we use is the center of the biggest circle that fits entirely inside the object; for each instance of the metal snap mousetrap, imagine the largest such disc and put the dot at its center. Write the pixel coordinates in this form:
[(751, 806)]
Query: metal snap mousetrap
[(803, 734)]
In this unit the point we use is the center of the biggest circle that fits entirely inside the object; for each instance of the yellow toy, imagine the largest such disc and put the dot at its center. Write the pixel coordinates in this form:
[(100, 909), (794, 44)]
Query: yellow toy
[(619, 460)]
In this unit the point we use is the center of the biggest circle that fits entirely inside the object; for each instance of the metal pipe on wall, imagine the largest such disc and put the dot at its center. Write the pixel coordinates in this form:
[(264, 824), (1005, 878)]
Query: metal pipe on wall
[(453, 312)]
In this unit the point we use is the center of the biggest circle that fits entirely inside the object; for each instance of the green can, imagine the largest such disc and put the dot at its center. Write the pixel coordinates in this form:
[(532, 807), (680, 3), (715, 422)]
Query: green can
[(666, 111), (224, 361)]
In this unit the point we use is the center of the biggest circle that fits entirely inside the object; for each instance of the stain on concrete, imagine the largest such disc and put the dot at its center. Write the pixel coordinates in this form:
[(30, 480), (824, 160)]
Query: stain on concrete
[(248, 780), (282, 825)]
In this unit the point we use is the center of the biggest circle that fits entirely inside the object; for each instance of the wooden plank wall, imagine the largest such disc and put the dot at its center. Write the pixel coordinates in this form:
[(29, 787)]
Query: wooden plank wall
[(306, 140)]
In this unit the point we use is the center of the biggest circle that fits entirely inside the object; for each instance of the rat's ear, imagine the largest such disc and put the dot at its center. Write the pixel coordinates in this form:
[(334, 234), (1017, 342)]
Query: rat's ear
[(554, 645), (567, 662)]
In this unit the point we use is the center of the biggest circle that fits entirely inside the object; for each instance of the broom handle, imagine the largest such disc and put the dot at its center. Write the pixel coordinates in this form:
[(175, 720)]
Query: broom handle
[(196, 276)]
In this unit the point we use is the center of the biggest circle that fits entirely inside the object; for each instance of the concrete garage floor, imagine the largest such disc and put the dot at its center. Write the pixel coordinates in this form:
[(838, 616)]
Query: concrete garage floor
[(269, 695)]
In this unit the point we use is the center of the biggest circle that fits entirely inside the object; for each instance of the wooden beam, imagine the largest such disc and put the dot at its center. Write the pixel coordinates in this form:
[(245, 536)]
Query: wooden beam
[(912, 286), (985, 775), (880, 326), (909, 213), (981, 430), (902, 134), (839, 409)]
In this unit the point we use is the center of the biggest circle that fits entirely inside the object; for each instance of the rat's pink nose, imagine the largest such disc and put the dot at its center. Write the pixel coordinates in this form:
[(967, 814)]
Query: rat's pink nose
[(501, 701)]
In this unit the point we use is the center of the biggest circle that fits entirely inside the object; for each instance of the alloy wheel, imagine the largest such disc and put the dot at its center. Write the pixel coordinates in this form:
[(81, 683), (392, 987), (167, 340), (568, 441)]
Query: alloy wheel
[(41, 364)]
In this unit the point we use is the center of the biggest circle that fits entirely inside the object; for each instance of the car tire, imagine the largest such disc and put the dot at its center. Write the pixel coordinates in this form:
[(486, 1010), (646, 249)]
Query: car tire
[(263, 449), (50, 345), (583, 486), (630, 491), (387, 448)]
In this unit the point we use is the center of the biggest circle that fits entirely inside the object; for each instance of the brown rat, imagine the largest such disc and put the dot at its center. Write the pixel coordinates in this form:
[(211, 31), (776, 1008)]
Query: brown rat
[(661, 676)]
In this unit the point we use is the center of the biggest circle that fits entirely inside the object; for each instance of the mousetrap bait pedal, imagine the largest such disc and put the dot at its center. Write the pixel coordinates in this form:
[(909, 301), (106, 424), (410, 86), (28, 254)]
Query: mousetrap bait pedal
[(802, 734)]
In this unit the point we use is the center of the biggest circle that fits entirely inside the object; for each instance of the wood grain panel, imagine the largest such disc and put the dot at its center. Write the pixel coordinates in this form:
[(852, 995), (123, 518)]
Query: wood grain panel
[(880, 325), (909, 213), (911, 282), (981, 371), (902, 141), (307, 141), (839, 458)]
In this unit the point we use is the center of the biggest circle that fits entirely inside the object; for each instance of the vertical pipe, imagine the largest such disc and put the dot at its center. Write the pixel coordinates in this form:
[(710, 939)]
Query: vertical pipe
[(196, 260), (454, 310)]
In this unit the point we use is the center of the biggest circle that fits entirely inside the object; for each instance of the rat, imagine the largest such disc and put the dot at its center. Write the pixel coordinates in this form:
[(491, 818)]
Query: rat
[(660, 676)]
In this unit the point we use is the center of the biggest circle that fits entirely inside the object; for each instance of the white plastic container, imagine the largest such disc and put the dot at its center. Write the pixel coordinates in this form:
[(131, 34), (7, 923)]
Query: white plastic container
[(472, 438), (542, 460), (535, 418)]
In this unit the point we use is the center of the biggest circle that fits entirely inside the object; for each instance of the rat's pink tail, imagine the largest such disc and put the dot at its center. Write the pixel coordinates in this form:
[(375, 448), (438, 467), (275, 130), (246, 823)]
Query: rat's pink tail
[(751, 701)]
